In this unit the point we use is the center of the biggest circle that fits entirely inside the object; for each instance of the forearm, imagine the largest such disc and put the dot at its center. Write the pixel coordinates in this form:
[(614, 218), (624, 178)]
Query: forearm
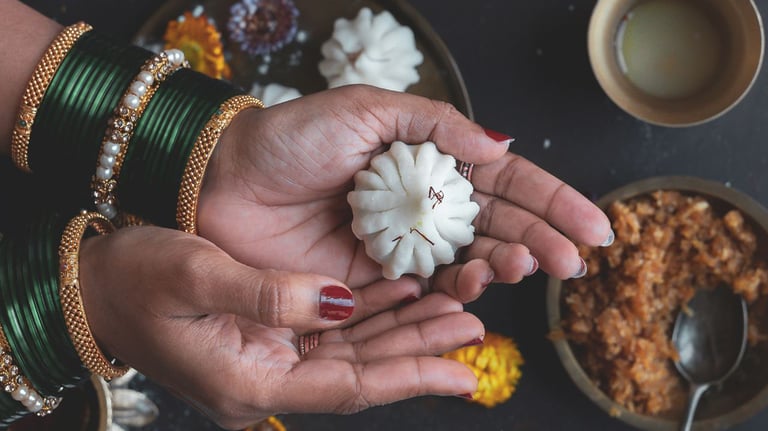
[(25, 34)]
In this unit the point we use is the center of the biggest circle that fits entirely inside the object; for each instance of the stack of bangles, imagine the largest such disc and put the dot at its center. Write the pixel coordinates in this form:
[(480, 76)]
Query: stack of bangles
[(147, 126)]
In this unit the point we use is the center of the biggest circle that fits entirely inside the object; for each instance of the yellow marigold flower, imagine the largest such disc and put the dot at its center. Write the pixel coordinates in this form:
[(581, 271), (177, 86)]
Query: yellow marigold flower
[(201, 43), (496, 364)]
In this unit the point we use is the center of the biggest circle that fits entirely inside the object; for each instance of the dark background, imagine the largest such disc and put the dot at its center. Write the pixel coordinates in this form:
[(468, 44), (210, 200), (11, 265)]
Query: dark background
[(526, 69)]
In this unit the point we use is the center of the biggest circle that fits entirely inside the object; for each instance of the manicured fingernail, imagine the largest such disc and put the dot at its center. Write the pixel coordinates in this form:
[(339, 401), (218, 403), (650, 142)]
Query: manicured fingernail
[(476, 342), (336, 303), (499, 137), (582, 270), (608, 241), (466, 396), (534, 266), (488, 279), (409, 299)]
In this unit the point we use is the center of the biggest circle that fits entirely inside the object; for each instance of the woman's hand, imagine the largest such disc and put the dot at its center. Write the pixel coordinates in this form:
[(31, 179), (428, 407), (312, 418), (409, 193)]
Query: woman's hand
[(223, 336), (275, 192)]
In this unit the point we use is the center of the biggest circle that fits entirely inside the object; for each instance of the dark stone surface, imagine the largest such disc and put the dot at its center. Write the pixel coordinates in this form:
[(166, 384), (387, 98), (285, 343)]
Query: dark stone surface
[(526, 68)]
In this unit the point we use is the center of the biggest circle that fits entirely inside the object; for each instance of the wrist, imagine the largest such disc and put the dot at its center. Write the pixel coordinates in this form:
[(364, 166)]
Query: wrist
[(22, 27), (223, 170), (199, 158), (94, 286)]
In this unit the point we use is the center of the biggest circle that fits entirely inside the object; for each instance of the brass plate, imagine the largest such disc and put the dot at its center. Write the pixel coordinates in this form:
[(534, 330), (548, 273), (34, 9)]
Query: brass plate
[(296, 64)]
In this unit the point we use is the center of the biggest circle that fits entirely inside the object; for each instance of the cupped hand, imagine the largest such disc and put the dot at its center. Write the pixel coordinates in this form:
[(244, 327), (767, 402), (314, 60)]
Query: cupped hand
[(223, 336), (275, 191)]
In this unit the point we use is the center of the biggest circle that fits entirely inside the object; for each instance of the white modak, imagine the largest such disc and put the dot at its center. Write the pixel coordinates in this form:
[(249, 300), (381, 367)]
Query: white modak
[(371, 49), (412, 209), (273, 93)]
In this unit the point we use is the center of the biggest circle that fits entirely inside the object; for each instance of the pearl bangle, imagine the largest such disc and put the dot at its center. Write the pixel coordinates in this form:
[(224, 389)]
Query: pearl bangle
[(19, 386), (122, 124)]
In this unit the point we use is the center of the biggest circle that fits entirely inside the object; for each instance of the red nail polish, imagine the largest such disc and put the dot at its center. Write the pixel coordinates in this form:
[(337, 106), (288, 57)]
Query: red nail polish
[(410, 299), (498, 137), (476, 342), (466, 396), (336, 303)]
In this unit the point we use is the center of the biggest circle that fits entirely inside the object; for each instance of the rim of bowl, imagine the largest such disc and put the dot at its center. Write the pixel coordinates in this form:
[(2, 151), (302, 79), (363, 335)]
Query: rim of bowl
[(713, 189), (649, 115)]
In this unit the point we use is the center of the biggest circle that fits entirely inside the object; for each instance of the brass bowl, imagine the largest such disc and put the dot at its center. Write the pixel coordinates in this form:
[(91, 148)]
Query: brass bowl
[(742, 29), (746, 392)]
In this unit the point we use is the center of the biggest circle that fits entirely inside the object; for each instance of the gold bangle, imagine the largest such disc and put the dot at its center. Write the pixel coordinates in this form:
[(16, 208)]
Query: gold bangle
[(192, 180), (124, 219), (123, 122), (36, 88), (19, 387), (71, 299)]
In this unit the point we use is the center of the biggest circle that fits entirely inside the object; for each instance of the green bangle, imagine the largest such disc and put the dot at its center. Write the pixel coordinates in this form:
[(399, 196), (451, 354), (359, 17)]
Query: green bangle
[(162, 142), (46, 261), (10, 410), (86, 88), (32, 317)]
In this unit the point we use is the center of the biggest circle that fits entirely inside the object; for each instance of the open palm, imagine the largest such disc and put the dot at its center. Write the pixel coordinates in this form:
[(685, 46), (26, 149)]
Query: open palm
[(275, 192), (223, 336)]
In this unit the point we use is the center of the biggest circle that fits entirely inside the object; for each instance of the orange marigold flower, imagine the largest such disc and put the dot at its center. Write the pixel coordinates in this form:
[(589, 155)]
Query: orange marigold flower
[(201, 43), (269, 424), (496, 364)]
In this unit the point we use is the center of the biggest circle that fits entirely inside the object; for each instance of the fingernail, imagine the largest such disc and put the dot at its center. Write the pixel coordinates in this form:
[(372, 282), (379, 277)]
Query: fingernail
[(466, 396), (409, 299), (608, 241), (475, 342), (488, 279), (534, 266), (582, 270), (499, 137), (336, 303)]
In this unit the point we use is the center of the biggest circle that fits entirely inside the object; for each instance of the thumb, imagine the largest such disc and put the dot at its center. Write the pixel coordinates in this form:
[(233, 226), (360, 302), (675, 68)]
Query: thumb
[(280, 299), (415, 119)]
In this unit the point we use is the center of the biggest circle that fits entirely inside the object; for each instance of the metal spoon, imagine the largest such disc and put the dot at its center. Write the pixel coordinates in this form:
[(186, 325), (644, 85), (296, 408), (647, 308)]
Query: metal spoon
[(711, 340)]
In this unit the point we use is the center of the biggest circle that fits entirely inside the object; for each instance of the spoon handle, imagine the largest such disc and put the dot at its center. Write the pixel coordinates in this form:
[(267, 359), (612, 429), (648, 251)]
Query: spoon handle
[(696, 391)]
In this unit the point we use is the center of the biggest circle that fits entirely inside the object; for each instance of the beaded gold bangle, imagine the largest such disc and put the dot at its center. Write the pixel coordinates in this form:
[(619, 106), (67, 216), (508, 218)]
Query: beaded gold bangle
[(19, 387), (71, 300), (123, 122), (192, 180), (35, 91), (125, 219)]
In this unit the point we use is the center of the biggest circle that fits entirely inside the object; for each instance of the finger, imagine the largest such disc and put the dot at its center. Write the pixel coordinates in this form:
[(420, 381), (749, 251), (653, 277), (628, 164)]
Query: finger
[(506, 222), (433, 336), (510, 262), (383, 295), (430, 306), (277, 299), (465, 282), (415, 119), (521, 182), (332, 386)]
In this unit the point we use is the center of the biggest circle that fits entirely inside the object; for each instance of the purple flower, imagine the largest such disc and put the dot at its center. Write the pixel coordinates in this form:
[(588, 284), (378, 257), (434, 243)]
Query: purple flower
[(262, 26)]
